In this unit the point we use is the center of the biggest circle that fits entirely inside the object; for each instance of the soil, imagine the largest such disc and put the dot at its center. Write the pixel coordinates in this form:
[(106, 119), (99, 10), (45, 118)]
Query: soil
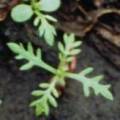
[(16, 86)]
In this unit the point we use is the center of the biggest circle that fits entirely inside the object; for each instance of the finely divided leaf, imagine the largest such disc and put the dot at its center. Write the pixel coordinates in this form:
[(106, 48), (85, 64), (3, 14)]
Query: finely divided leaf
[(47, 31), (22, 53), (45, 98), (70, 48), (94, 83)]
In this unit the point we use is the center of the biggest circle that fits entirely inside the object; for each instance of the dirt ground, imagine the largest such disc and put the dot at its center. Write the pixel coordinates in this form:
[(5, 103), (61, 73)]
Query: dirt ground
[(16, 86)]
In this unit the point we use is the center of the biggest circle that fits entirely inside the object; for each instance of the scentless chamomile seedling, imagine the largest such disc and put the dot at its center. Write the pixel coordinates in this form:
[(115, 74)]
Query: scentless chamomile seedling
[(48, 93), (37, 9)]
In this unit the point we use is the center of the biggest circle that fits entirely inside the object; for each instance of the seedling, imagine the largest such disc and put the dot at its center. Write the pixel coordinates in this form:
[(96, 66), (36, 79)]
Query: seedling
[(37, 8), (47, 93)]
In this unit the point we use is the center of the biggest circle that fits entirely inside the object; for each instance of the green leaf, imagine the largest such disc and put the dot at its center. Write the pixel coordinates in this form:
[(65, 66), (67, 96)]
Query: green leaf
[(44, 85), (21, 13), (47, 31), (61, 47), (42, 108), (19, 57), (106, 93), (87, 71), (36, 21), (50, 18), (45, 97), (77, 44), (70, 48), (75, 52), (55, 93), (28, 54), (14, 47), (37, 93), (30, 48), (27, 66), (94, 83), (49, 5), (49, 35), (38, 110), (52, 101)]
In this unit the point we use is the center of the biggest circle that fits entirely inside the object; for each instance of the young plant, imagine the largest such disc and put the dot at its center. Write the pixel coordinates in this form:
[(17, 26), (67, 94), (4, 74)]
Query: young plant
[(36, 8), (47, 93)]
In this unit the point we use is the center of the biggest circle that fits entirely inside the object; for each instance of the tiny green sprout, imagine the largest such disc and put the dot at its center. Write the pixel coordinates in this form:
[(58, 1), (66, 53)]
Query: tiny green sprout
[(36, 8), (47, 93)]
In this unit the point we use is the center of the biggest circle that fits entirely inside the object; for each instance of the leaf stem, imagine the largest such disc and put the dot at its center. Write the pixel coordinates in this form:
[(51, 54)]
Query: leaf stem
[(46, 67), (75, 76)]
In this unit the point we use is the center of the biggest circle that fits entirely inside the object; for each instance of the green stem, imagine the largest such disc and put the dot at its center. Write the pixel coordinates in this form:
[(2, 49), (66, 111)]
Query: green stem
[(75, 76), (40, 15), (38, 62), (46, 67), (52, 85), (35, 5)]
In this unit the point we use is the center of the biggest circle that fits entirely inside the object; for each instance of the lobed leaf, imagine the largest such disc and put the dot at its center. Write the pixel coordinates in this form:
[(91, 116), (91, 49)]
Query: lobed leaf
[(94, 83), (46, 97), (47, 31), (70, 47), (34, 59)]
